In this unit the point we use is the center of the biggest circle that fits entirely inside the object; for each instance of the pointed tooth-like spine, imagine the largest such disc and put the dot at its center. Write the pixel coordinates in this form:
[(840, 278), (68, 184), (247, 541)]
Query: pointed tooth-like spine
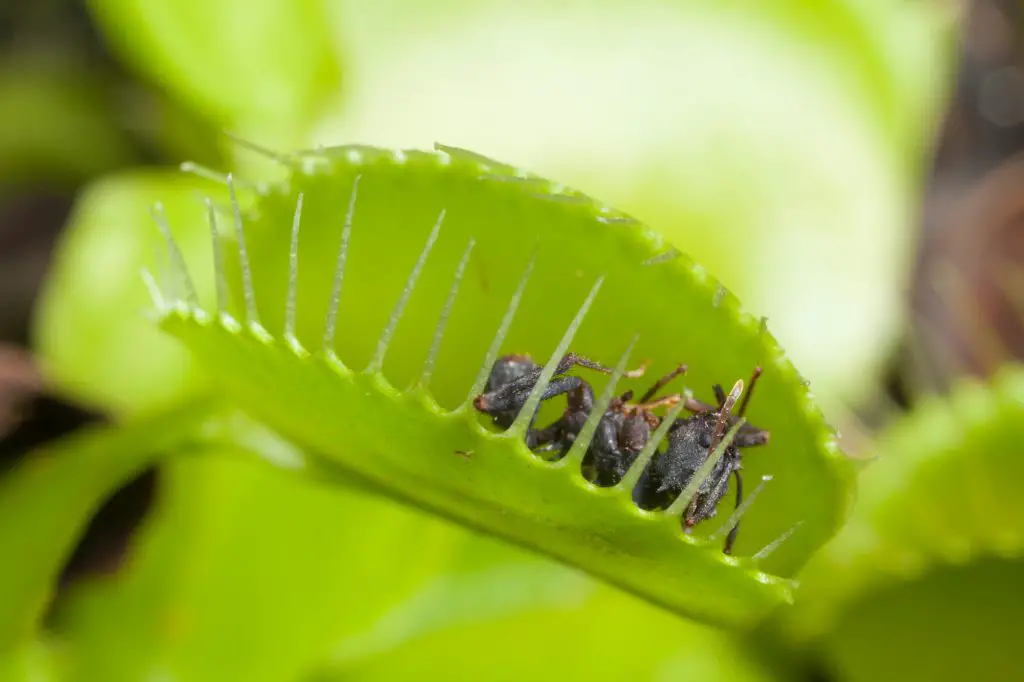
[(442, 322), (377, 362), (178, 268), (252, 317), (499, 336), (293, 276), (574, 458), (330, 324), (522, 422)]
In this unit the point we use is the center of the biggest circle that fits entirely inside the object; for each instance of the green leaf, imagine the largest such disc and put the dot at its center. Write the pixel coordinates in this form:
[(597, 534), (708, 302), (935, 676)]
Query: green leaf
[(423, 448), (965, 621), (34, 661), (73, 132), (941, 492), (48, 499), (933, 546), (90, 327), (267, 65), (243, 571), (523, 621)]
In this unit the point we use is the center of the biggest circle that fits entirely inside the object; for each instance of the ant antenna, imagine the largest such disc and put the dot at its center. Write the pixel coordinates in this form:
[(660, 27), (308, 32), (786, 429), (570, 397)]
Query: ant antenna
[(660, 383), (723, 414), (719, 395), (571, 360), (750, 389)]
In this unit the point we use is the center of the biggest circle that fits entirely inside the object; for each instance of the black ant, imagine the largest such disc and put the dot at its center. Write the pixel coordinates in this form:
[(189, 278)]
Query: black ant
[(690, 442), (513, 377)]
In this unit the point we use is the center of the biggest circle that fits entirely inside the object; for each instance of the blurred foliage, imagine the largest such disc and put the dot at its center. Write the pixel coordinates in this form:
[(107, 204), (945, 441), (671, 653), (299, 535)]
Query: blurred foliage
[(940, 496), (58, 123), (782, 145), (686, 115), (93, 295), (259, 68), (58, 488)]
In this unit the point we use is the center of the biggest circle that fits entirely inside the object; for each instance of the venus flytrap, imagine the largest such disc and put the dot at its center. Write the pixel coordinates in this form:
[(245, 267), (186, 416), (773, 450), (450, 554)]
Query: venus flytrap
[(479, 258), (942, 493), (931, 557)]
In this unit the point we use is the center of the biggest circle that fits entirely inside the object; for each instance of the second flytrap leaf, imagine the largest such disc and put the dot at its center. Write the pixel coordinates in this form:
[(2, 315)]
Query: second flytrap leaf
[(329, 343), (941, 497)]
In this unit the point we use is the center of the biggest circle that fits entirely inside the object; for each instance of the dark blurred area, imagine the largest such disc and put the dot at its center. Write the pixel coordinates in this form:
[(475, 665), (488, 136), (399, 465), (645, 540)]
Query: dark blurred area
[(968, 291), (37, 193)]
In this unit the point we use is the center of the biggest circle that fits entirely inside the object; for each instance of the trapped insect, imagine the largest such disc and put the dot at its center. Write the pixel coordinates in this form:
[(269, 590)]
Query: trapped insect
[(513, 377), (625, 428)]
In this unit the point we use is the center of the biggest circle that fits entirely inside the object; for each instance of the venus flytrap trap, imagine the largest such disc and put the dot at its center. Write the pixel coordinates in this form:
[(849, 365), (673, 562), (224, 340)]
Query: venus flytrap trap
[(941, 494), (931, 557), (368, 297)]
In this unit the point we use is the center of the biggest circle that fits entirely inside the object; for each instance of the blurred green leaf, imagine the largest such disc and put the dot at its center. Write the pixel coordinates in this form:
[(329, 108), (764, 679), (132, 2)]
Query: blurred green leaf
[(942, 491), (933, 547), (57, 122), (371, 430), (253, 66), (246, 572), (955, 622), (32, 661), (520, 622), (90, 330), (47, 500), (779, 143)]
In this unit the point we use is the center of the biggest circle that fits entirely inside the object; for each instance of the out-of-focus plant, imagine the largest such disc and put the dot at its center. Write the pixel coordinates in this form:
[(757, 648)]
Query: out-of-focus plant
[(920, 582), (687, 114)]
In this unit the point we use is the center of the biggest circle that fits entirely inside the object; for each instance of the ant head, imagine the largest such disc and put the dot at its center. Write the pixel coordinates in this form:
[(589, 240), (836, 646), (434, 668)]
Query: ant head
[(493, 403), (507, 369)]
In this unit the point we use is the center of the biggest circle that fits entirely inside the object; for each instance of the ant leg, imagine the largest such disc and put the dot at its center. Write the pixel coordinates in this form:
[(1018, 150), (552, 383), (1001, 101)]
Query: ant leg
[(508, 400), (730, 539), (542, 439), (571, 360), (660, 383), (698, 406), (750, 389), (690, 517), (559, 386), (665, 401)]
